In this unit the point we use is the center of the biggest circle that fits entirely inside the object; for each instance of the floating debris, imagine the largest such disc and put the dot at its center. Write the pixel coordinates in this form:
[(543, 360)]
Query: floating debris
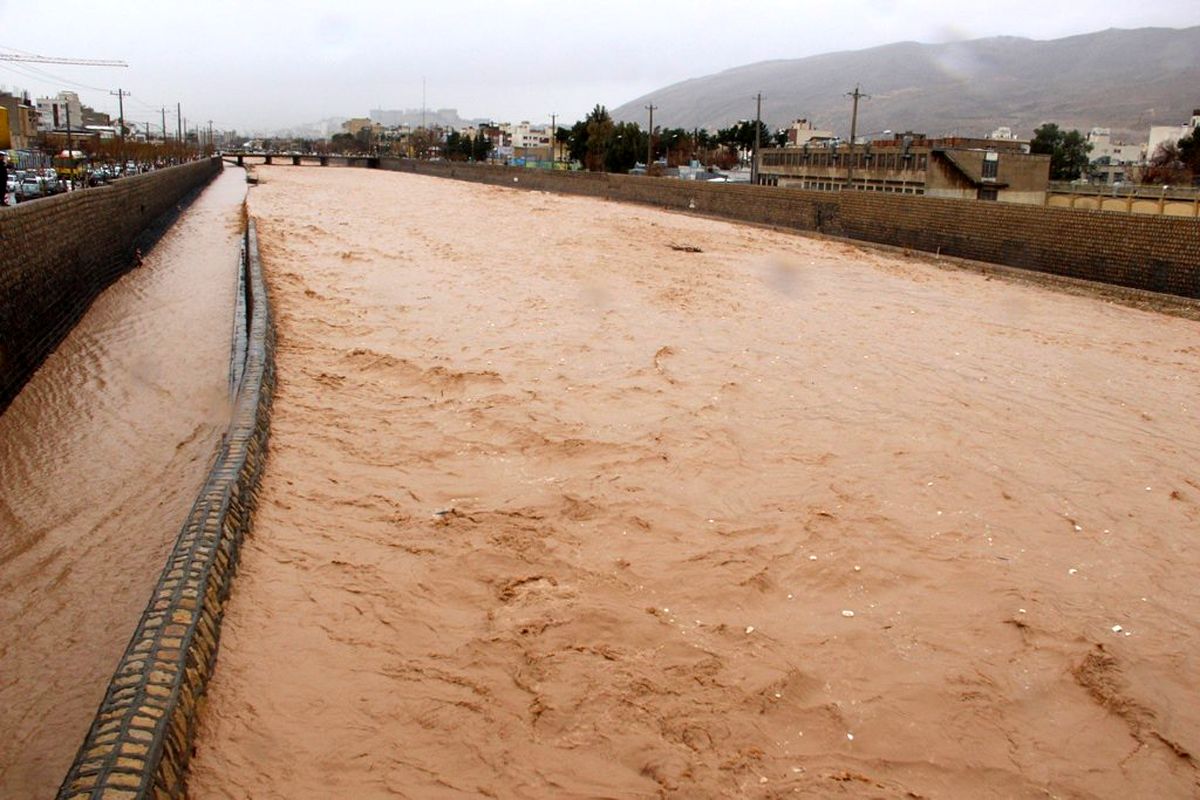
[(847, 612), (686, 248)]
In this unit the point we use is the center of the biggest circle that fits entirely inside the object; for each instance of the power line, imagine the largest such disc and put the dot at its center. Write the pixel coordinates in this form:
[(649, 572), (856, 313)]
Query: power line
[(79, 62)]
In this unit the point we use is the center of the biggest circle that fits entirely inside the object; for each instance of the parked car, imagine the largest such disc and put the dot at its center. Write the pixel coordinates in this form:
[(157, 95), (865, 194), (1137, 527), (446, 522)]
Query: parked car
[(30, 188)]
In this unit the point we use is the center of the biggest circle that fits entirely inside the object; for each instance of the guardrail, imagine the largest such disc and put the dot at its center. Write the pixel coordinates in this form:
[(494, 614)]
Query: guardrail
[(141, 738)]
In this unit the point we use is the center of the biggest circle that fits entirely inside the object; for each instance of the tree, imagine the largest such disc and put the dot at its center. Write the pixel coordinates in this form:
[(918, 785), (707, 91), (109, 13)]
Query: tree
[(1189, 152), (626, 145), (481, 148), (1166, 166), (599, 130), (1068, 151)]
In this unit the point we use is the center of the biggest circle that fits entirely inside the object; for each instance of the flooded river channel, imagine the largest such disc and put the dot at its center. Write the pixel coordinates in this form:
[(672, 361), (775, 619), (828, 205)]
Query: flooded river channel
[(101, 457)]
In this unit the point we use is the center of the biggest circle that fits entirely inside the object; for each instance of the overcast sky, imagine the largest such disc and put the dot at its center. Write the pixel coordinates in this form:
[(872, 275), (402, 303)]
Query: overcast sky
[(258, 65)]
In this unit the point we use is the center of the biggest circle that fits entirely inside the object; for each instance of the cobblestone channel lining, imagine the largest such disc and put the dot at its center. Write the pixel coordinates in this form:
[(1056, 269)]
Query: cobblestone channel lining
[(141, 738)]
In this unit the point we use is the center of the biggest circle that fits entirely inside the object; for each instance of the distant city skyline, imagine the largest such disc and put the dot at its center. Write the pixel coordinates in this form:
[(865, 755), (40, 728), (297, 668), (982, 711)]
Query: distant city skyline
[(270, 66)]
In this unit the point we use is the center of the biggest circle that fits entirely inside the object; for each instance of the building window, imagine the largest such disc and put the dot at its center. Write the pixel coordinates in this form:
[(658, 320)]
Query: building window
[(989, 168), (986, 193)]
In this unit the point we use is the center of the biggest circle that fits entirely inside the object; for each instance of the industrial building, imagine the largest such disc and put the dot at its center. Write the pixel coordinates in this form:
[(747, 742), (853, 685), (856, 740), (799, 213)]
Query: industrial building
[(909, 163)]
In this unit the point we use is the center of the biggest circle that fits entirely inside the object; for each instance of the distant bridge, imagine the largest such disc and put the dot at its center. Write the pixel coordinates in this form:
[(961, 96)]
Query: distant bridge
[(244, 157)]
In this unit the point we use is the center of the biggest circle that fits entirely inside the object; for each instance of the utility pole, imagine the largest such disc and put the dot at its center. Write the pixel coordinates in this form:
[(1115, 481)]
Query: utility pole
[(857, 95), (650, 140), (210, 139), (70, 145), (121, 95), (179, 122), (757, 139), (164, 124), (553, 138)]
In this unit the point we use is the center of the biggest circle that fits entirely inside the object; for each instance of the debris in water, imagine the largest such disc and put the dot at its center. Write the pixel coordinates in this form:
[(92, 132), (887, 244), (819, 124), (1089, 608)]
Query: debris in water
[(686, 248), (847, 612), (749, 629)]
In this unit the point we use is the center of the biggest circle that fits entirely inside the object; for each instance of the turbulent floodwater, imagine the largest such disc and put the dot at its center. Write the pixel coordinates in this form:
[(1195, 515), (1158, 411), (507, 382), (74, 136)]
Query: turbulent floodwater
[(101, 456), (554, 509)]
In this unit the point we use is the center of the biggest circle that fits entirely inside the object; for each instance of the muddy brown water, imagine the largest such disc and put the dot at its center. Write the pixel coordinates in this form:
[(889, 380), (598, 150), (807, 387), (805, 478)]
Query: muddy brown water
[(101, 457), (554, 509)]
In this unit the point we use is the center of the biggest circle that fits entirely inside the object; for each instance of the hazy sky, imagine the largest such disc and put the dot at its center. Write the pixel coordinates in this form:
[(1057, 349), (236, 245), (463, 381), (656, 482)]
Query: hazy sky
[(260, 65)]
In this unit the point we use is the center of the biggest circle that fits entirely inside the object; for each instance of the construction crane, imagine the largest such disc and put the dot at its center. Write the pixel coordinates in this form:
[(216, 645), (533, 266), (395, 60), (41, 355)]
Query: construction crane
[(80, 62)]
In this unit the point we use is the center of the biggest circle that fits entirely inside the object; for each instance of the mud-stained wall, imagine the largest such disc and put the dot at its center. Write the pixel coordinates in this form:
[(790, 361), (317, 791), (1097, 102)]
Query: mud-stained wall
[(1158, 254), (59, 253)]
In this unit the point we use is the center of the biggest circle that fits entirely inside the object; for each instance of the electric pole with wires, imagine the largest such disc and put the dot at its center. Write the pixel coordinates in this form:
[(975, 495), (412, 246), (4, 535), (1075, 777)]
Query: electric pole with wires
[(857, 95)]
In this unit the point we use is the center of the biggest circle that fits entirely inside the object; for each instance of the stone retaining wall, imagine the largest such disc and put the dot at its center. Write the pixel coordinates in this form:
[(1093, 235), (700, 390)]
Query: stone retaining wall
[(140, 741), (1156, 254), (57, 254)]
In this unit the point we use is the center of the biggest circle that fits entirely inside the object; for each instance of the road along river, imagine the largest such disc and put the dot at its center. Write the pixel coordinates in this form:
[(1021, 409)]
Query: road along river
[(101, 456)]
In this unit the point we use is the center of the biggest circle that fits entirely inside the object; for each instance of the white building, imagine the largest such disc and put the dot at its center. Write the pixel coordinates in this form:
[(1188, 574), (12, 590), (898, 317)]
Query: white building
[(53, 112), (1160, 134), (526, 136), (1103, 146)]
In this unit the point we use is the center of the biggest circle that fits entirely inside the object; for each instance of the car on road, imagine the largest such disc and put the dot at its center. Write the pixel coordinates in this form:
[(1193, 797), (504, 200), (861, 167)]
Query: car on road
[(30, 188)]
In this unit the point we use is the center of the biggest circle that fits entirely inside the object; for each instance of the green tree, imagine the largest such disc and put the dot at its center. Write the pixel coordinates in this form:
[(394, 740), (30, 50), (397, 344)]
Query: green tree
[(599, 129), (1068, 151), (626, 145), (481, 148)]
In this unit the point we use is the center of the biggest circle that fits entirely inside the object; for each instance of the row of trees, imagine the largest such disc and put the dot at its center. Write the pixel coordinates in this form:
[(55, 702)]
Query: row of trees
[(1173, 163), (601, 144)]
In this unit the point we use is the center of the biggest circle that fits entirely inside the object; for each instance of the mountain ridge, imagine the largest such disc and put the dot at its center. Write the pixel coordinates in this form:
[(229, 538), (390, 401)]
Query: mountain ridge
[(1123, 79)]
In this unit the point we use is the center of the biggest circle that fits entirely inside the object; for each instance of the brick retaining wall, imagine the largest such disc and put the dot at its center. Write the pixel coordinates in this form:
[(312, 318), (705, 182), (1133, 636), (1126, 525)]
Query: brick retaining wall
[(57, 254), (1157, 254)]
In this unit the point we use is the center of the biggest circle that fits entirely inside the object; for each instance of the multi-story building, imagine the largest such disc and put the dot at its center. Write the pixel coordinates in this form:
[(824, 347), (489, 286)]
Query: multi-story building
[(58, 112), (1112, 162), (21, 122), (358, 124), (982, 169), (802, 132), (1161, 134), (527, 137)]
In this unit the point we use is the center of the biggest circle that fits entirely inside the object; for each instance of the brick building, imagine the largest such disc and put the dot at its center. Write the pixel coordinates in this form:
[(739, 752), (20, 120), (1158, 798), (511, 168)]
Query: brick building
[(978, 169), (21, 123)]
